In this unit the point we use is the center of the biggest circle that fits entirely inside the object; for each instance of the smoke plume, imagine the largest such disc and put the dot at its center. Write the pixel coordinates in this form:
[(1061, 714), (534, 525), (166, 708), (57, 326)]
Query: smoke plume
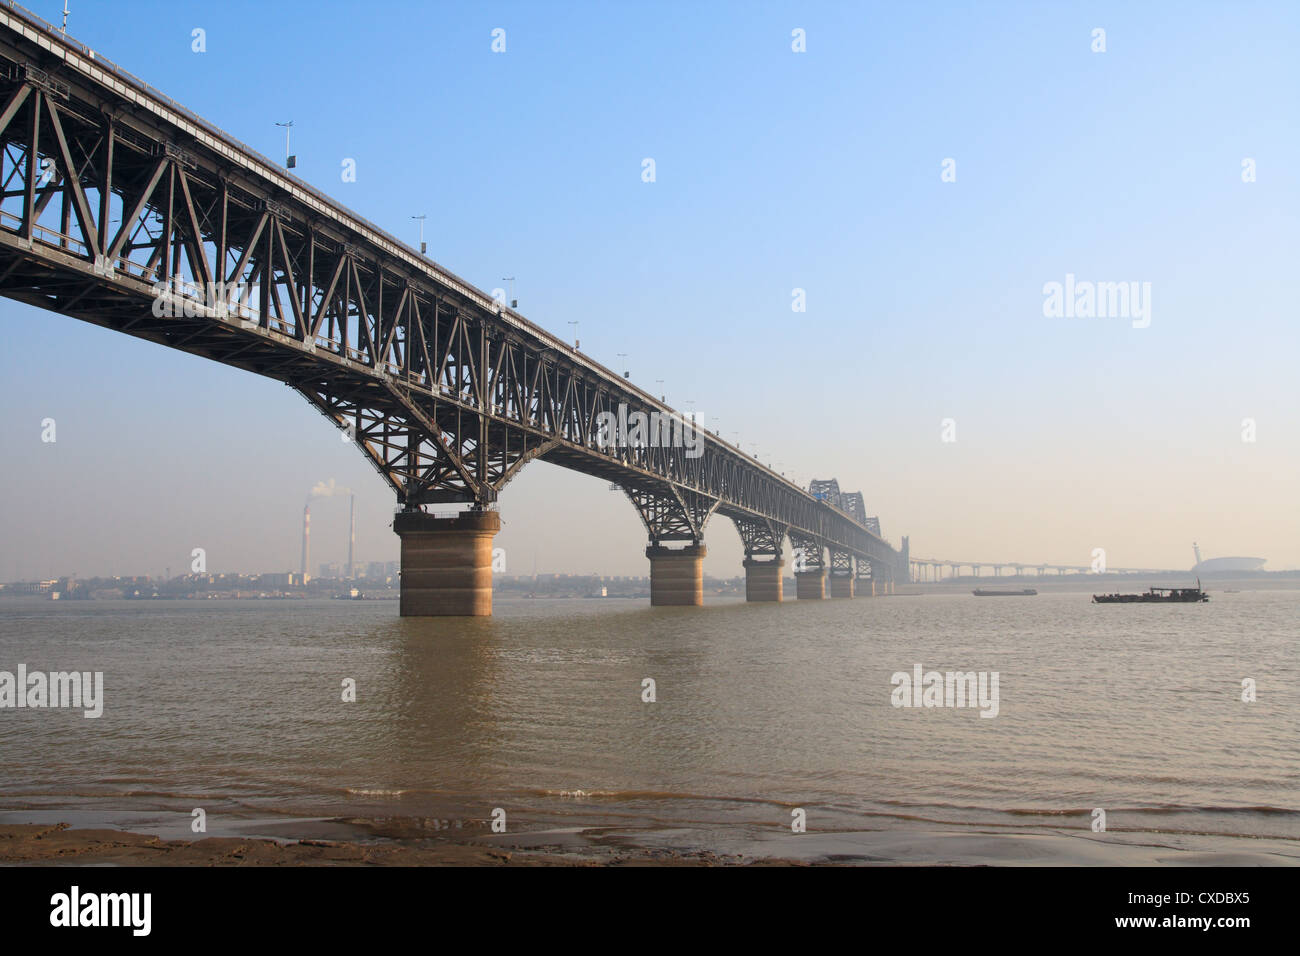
[(328, 489)]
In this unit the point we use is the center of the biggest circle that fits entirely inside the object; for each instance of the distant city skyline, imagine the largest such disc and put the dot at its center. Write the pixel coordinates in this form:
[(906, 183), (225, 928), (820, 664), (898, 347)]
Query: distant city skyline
[(924, 228)]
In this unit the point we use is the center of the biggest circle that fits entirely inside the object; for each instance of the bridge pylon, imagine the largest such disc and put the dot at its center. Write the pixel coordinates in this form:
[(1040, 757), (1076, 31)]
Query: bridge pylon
[(809, 568), (763, 539), (676, 575), (864, 584), (446, 563), (672, 514), (841, 574)]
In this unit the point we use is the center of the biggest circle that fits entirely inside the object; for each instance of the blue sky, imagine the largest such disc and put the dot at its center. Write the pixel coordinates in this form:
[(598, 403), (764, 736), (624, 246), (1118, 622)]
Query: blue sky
[(775, 170)]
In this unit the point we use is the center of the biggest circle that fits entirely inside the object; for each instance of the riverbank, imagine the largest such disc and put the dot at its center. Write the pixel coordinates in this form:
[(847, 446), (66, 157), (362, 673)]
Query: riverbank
[(60, 845), (396, 843)]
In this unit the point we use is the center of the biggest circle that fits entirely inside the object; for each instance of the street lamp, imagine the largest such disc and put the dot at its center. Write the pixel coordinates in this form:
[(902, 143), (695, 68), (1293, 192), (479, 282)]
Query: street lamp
[(663, 396), (514, 303), (576, 343), (626, 373), (421, 217), (289, 161)]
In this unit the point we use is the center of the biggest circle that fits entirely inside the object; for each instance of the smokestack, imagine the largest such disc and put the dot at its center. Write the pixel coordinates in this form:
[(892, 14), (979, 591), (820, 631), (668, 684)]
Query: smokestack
[(352, 533), (306, 538)]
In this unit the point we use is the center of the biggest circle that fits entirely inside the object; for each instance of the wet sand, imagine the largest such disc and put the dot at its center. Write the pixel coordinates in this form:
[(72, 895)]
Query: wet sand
[(400, 842), (59, 845)]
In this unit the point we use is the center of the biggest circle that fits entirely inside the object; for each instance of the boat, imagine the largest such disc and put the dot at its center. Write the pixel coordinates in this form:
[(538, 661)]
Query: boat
[(1156, 596), (1004, 592)]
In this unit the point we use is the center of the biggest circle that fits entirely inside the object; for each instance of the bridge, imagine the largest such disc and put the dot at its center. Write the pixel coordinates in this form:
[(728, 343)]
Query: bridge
[(120, 207), (931, 569)]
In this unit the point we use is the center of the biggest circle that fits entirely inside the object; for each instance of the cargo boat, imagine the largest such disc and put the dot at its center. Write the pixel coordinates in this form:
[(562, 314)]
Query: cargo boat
[(1004, 592), (1156, 596)]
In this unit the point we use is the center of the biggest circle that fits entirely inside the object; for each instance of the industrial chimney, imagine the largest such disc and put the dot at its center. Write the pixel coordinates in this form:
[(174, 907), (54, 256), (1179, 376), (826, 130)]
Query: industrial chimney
[(306, 539), (352, 533)]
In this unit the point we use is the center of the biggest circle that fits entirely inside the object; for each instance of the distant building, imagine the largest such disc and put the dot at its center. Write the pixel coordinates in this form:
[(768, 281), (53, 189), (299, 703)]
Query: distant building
[(29, 587), (1212, 565), (290, 579)]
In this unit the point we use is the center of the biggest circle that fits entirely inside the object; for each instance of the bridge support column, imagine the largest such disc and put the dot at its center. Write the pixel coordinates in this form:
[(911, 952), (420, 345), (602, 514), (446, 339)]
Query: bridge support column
[(763, 580), (841, 586), (446, 563), (864, 582), (676, 575), (841, 574), (810, 585)]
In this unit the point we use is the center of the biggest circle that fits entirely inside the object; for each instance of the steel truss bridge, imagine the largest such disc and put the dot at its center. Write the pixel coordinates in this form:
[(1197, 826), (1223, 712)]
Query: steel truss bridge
[(111, 191)]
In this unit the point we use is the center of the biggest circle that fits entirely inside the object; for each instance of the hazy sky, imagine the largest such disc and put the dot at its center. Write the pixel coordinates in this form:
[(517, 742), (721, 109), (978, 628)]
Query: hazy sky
[(775, 170)]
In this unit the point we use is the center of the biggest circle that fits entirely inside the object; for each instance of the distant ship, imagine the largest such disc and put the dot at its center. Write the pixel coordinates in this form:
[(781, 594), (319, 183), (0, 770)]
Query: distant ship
[(1213, 565), (1156, 596), (1004, 592)]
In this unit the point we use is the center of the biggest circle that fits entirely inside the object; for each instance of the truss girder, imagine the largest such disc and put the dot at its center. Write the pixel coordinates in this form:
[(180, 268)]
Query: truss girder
[(762, 537), (670, 513), (809, 551), (841, 563)]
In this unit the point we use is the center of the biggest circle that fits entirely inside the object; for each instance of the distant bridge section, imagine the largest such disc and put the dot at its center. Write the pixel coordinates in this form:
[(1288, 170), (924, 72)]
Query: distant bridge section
[(932, 569)]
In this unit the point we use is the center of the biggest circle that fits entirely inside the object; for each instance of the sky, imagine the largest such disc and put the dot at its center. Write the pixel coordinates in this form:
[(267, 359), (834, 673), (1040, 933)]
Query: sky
[(921, 171)]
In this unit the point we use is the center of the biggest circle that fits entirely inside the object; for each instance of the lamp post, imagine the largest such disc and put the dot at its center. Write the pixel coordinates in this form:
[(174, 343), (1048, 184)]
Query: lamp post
[(421, 217), (289, 161)]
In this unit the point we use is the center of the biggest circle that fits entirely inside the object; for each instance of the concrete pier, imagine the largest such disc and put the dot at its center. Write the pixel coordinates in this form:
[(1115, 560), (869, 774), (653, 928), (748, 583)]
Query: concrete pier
[(763, 579), (810, 585), (676, 575), (446, 563), (841, 586)]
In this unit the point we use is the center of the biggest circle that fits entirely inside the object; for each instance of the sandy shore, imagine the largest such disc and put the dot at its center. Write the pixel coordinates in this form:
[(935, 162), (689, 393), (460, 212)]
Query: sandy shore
[(44, 845), (364, 843)]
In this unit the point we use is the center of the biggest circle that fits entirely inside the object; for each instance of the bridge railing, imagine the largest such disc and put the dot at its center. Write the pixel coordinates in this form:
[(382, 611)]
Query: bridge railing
[(51, 237)]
